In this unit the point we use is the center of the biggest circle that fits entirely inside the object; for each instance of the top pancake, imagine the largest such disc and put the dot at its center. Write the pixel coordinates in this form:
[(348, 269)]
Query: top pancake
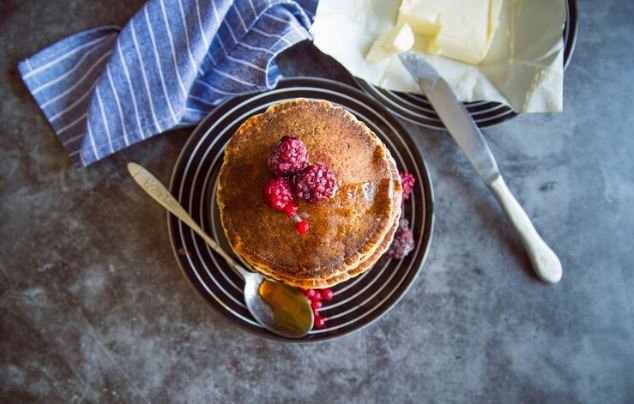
[(363, 265), (344, 230)]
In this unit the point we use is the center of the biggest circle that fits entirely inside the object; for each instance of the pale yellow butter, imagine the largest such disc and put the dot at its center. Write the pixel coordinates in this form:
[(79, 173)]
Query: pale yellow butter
[(423, 16), (458, 29), (398, 39)]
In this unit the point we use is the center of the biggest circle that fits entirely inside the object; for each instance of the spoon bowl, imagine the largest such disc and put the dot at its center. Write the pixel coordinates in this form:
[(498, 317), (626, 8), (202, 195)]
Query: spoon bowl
[(279, 308)]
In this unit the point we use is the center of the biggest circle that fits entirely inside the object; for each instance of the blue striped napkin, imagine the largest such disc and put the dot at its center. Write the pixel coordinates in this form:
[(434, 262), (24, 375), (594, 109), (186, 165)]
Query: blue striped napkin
[(105, 89)]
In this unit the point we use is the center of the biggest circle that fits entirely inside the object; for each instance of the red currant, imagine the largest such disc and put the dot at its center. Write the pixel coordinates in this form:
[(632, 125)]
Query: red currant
[(310, 293), (326, 294), (302, 227), (315, 304), (319, 322)]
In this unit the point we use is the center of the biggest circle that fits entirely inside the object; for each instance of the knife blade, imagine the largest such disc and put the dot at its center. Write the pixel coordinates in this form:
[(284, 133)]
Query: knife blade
[(454, 116), (466, 133)]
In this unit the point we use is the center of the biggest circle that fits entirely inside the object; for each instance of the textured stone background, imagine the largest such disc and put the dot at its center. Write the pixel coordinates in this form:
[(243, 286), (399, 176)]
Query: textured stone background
[(94, 308)]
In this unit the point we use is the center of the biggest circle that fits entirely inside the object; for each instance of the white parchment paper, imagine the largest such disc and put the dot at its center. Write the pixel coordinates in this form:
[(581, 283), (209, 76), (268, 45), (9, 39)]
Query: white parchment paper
[(523, 69)]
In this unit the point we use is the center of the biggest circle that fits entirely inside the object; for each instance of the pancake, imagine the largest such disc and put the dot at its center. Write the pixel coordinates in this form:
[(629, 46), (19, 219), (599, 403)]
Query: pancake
[(346, 231), (363, 266)]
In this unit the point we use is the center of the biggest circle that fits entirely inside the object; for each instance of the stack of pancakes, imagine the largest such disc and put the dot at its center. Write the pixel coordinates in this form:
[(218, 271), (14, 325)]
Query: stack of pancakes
[(348, 232)]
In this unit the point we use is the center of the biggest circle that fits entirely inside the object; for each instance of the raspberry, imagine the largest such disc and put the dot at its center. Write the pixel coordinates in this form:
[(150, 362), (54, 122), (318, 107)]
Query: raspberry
[(407, 182), (288, 157), (403, 242), (290, 209), (316, 183), (278, 193)]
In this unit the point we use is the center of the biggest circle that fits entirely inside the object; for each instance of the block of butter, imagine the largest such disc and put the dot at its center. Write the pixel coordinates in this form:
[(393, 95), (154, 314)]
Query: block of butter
[(398, 39), (458, 29)]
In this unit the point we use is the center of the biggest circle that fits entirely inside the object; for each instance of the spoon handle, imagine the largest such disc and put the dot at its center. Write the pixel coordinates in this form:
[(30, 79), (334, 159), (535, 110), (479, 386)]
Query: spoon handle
[(153, 187), (545, 262)]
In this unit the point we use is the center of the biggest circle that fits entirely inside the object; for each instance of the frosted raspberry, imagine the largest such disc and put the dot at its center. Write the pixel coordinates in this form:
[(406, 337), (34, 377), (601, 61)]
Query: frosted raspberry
[(291, 209), (288, 157), (316, 183), (403, 242), (407, 182), (278, 193)]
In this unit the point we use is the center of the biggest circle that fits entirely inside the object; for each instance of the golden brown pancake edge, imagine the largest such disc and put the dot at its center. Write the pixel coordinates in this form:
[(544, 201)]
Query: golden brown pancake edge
[(293, 115)]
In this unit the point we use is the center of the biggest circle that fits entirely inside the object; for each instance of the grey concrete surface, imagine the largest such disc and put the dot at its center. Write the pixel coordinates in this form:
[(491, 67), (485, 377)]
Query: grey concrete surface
[(94, 309)]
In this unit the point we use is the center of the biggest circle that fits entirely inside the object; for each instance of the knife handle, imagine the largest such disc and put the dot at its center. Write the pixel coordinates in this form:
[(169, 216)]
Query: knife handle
[(545, 262)]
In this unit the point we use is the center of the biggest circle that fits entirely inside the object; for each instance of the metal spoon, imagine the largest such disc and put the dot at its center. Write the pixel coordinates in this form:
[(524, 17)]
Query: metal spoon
[(279, 308)]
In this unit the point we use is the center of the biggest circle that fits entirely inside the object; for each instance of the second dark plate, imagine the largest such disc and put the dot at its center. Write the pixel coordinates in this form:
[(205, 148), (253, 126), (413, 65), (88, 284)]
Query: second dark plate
[(416, 109)]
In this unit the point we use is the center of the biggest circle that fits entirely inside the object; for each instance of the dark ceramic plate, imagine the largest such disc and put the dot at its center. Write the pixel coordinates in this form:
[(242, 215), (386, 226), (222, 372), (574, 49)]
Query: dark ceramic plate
[(356, 302), (416, 109)]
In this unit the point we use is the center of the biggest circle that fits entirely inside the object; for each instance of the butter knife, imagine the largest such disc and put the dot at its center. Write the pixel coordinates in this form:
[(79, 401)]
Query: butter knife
[(463, 129)]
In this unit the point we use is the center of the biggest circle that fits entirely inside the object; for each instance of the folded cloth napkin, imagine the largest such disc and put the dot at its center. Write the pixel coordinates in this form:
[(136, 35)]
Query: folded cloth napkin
[(108, 88)]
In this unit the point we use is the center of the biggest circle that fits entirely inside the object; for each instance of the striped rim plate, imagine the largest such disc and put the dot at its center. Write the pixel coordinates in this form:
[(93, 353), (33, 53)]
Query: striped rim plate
[(356, 302), (416, 109)]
